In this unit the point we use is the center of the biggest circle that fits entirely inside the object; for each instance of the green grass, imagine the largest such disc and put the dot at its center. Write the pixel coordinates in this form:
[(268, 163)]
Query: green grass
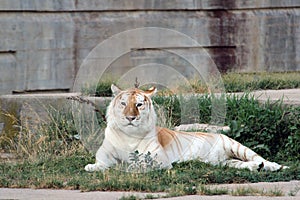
[(185, 178), (242, 82), (206, 190), (233, 82)]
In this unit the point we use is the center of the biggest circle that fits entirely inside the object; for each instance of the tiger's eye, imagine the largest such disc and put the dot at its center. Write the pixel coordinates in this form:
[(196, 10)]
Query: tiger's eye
[(123, 103), (139, 104)]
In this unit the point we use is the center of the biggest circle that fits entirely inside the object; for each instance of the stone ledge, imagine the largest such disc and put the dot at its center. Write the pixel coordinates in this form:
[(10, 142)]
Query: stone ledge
[(127, 5), (288, 96)]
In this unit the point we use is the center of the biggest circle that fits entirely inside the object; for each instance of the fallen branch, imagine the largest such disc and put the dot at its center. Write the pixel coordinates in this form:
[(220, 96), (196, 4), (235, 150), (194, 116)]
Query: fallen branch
[(89, 102)]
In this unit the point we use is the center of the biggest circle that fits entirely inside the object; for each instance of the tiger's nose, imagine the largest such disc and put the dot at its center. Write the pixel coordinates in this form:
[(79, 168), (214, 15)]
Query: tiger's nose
[(130, 118)]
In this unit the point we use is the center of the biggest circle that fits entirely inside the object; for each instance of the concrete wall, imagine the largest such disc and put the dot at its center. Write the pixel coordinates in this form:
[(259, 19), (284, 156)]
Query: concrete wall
[(43, 43)]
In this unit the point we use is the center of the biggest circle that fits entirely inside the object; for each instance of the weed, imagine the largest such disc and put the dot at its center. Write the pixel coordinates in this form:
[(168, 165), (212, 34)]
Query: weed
[(151, 196), (250, 191), (206, 190), (242, 82), (177, 190), (276, 192), (137, 197), (294, 191), (130, 197), (246, 191), (142, 163), (10, 130)]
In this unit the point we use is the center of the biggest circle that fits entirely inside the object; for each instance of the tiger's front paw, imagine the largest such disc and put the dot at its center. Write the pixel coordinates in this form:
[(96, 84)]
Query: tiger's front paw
[(90, 167), (284, 167), (94, 167)]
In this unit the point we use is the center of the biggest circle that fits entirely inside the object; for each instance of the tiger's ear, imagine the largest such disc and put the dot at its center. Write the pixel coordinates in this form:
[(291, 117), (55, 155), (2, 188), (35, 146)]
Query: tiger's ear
[(151, 91), (115, 90)]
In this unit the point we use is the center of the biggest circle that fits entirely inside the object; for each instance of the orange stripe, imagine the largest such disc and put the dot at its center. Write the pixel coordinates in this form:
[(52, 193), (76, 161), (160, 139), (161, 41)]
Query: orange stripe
[(245, 155), (232, 141), (155, 148), (252, 158), (238, 149), (164, 136)]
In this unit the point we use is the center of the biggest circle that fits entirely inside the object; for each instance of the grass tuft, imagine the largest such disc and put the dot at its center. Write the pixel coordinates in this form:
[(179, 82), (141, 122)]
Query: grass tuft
[(243, 82), (250, 191), (206, 190)]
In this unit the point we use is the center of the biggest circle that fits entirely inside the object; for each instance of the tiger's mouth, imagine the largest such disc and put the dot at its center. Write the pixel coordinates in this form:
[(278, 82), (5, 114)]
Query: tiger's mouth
[(130, 124)]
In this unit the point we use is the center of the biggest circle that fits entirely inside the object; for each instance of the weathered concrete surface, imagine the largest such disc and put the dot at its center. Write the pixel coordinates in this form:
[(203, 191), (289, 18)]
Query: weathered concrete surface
[(43, 43), (36, 51), (71, 5), (31, 194), (288, 96), (23, 194)]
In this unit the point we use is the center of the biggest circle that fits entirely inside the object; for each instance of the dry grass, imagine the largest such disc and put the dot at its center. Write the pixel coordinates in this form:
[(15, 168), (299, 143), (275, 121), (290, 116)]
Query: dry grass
[(41, 137), (251, 191)]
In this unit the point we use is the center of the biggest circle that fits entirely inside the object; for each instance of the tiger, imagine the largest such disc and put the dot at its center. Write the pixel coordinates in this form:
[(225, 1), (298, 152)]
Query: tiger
[(131, 126)]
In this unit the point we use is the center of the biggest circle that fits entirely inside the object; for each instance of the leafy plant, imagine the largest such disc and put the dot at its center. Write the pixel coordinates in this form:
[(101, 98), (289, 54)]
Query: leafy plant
[(269, 128), (142, 163)]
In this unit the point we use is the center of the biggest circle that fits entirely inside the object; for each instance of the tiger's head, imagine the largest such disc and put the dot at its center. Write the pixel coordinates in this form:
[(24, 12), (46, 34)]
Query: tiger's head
[(131, 111)]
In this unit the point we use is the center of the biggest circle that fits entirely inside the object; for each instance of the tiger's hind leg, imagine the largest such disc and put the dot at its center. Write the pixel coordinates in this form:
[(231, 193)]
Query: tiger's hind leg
[(239, 164), (273, 166), (254, 165), (241, 156)]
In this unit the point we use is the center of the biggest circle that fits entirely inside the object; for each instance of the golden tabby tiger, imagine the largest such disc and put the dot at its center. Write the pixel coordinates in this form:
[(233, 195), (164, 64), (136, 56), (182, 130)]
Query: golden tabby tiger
[(131, 126)]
